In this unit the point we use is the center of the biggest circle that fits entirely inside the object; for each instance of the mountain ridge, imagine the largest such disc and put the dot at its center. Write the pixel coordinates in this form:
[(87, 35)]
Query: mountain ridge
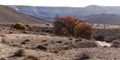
[(49, 13), (104, 18)]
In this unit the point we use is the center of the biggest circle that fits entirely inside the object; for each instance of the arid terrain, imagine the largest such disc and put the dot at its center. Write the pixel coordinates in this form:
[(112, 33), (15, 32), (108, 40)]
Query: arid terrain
[(39, 43)]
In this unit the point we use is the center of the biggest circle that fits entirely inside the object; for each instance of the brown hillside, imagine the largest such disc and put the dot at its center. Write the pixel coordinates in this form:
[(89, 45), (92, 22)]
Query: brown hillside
[(8, 15)]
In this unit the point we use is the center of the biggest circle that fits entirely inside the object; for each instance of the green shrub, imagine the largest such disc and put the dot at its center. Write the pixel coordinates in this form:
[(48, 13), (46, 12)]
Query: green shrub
[(20, 26)]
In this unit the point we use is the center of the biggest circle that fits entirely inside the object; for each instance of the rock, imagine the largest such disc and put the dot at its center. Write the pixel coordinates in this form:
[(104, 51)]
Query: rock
[(103, 44)]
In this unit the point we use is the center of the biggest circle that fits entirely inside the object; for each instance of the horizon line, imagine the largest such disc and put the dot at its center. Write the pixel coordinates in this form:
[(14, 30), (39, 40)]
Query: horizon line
[(61, 6)]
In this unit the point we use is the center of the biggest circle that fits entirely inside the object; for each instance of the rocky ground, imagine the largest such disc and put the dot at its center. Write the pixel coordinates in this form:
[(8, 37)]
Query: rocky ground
[(37, 45)]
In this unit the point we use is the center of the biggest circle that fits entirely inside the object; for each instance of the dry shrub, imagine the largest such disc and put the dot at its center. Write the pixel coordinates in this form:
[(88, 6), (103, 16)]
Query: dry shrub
[(100, 37), (25, 41), (29, 26), (11, 25), (5, 41), (83, 56), (116, 43), (41, 47), (47, 24), (30, 57), (59, 42), (19, 53)]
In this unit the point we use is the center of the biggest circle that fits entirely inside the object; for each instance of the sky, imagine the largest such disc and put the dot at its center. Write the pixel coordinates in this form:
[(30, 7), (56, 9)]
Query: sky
[(68, 3)]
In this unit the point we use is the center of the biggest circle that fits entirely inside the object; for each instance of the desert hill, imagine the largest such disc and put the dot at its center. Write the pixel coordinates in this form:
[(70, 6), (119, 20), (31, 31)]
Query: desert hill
[(8, 15)]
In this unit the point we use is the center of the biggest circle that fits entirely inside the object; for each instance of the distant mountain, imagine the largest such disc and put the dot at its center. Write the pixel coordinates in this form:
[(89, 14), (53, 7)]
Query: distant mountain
[(9, 15), (79, 12), (104, 18)]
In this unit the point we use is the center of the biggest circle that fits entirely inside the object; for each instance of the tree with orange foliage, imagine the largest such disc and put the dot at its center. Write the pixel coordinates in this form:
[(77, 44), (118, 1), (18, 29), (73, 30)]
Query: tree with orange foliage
[(84, 30), (70, 26), (64, 25)]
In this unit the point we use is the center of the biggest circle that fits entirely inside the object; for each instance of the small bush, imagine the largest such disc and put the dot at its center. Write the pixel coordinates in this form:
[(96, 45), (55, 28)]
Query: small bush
[(5, 41), (20, 26), (30, 57), (11, 26), (23, 42), (59, 42), (84, 56), (29, 26), (41, 47), (27, 40), (26, 32), (116, 43), (19, 53), (47, 24), (100, 37), (44, 41)]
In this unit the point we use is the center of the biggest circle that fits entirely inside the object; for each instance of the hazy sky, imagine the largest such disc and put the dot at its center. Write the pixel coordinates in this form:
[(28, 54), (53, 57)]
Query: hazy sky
[(70, 3)]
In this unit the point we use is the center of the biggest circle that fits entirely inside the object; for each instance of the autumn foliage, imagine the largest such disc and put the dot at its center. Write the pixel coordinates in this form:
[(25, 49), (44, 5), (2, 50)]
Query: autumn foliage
[(84, 30), (70, 26), (64, 25)]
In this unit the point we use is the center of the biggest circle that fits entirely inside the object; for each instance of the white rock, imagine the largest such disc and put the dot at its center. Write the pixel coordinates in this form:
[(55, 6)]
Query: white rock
[(103, 43)]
